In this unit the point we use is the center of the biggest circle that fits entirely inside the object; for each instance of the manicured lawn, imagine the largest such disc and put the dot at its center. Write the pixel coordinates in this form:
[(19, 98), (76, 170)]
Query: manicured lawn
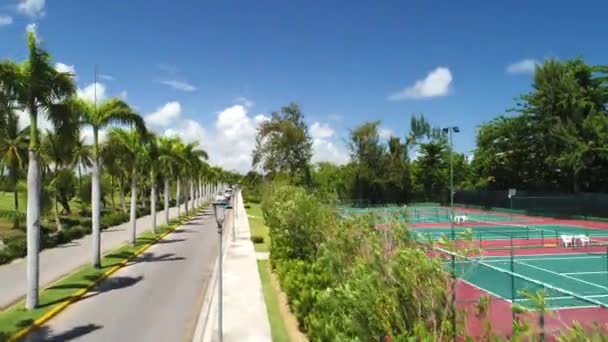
[(277, 326), (256, 223), (16, 317)]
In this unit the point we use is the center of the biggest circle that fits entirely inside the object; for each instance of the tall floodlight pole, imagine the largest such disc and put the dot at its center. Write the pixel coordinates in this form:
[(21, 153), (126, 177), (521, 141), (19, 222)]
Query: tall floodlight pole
[(450, 130), (219, 207)]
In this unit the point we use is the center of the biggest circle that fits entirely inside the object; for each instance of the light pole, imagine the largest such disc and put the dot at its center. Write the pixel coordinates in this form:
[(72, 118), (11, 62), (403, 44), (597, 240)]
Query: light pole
[(219, 207), (449, 130), (234, 212)]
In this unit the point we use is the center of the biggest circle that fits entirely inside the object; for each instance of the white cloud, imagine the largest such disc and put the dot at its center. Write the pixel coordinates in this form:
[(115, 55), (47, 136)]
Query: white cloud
[(32, 8), (93, 91), (436, 83), (321, 131), (24, 120), (385, 133), (86, 133), (324, 146), (179, 85), (166, 115), (32, 28), (66, 68), (106, 77), (244, 101), (525, 66), (123, 95), (188, 130), (5, 20)]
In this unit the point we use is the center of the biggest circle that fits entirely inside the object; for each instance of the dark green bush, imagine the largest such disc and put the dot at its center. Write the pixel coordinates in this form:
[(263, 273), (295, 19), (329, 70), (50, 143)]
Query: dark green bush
[(85, 222), (247, 206), (113, 219), (69, 221), (16, 248), (257, 239)]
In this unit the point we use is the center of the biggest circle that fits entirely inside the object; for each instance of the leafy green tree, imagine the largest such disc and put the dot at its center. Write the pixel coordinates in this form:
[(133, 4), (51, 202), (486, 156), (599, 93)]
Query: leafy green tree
[(36, 85), (367, 155), (431, 170), (13, 154), (283, 145), (398, 179)]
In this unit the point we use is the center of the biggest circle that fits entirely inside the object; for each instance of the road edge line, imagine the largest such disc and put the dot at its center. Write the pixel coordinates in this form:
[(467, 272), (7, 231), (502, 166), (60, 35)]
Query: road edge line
[(65, 304)]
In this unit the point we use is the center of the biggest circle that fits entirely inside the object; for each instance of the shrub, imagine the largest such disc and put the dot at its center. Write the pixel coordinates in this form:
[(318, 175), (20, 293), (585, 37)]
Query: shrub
[(247, 206), (69, 221), (16, 248), (113, 219), (257, 239)]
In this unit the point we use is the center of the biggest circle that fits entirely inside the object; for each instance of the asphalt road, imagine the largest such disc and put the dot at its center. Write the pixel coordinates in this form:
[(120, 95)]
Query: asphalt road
[(157, 297), (59, 261)]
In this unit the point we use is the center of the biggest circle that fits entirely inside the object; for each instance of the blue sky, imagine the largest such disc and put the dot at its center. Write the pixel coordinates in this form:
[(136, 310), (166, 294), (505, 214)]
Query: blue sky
[(209, 70)]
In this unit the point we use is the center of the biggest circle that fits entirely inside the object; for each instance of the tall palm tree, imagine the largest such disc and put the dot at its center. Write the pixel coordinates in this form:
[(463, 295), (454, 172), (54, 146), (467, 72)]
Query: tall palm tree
[(83, 158), (191, 158), (152, 154), (168, 163), (36, 85), (13, 151), (131, 144), (112, 111)]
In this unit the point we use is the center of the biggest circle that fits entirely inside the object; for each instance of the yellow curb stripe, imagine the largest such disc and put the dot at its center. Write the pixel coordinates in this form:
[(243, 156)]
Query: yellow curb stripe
[(63, 305)]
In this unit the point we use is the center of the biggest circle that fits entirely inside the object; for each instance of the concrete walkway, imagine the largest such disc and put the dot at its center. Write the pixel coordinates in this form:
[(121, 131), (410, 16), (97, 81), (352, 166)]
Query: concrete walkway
[(244, 310), (61, 260)]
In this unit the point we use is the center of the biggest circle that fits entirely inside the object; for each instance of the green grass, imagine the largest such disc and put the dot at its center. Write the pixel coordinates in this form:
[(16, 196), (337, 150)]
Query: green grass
[(17, 317), (256, 223), (277, 326)]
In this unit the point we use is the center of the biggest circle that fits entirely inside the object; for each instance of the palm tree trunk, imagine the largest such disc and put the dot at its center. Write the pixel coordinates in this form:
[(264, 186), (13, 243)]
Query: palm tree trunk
[(33, 215), (112, 191), (96, 214), (122, 194), (56, 207), (95, 203), (133, 216), (80, 187), (186, 195), (166, 193), (153, 199), (16, 198), (177, 198)]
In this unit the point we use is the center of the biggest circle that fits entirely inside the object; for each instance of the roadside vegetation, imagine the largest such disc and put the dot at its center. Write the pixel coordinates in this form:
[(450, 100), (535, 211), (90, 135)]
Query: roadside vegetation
[(91, 166)]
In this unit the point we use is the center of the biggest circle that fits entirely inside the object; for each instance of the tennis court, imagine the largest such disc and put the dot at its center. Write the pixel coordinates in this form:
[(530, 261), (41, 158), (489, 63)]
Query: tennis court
[(574, 280), (508, 231)]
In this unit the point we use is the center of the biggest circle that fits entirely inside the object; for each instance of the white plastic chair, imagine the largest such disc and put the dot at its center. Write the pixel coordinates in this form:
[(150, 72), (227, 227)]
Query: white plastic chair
[(566, 240), (583, 239)]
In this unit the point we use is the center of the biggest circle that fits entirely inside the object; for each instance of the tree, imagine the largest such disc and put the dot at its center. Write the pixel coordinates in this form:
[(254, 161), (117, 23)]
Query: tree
[(431, 170), (129, 143), (36, 85), (13, 151), (367, 154), (83, 157), (283, 145), (112, 111), (398, 179)]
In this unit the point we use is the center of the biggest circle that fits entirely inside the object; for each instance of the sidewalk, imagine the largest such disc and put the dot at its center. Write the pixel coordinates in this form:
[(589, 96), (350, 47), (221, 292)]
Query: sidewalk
[(61, 260), (244, 311)]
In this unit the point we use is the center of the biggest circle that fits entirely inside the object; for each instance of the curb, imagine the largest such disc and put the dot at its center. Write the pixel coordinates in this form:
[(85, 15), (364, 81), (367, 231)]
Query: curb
[(78, 295)]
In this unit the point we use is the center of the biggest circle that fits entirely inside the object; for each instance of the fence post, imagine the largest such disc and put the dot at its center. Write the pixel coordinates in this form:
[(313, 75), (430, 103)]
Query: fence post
[(453, 308), (512, 291), (542, 320), (527, 233), (542, 238)]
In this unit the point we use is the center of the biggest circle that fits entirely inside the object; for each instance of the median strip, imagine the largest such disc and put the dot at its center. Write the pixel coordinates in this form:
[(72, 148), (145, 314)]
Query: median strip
[(16, 321)]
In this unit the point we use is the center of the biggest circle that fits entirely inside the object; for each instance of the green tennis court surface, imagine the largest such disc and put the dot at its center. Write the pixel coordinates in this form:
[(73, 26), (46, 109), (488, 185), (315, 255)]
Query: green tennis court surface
[(501, 232), (569, 280), (428, 214)]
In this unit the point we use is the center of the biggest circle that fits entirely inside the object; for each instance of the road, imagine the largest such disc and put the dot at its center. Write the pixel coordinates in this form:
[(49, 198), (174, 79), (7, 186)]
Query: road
[(157, 297), (59, 261)]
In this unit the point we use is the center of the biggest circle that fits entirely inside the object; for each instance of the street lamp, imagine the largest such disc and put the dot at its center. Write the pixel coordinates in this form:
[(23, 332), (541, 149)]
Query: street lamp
[(219, 208), (450, 130)]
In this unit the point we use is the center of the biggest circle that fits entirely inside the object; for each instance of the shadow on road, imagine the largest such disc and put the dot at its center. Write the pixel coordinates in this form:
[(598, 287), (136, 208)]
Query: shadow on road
[(180, 231), (165, 241), (151, 257), (47, 334)]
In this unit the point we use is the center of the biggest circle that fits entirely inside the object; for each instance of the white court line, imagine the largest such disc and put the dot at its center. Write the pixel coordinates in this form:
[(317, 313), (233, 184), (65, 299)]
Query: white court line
[(567, 256), (563, 297), (575, 273), (566, 276)]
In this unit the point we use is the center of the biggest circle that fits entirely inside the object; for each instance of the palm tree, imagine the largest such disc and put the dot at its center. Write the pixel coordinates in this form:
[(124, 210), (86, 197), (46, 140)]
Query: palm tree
[(130, 142), (152, 154), (168, 163), (36, 85), (13, 151), (191, 157), (83, 157), (112, 111)]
